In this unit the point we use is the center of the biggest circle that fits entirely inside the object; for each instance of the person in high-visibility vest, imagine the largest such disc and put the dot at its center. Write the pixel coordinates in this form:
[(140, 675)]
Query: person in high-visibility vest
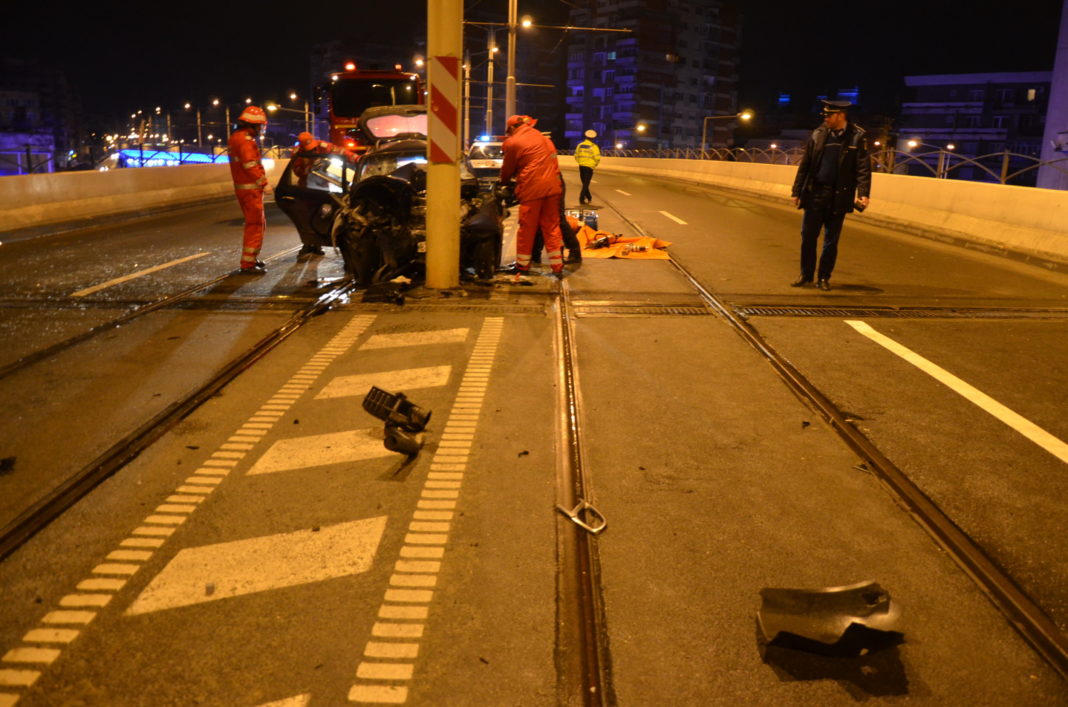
[(588, 156), (250, 183), (307, 150), (530, 159)]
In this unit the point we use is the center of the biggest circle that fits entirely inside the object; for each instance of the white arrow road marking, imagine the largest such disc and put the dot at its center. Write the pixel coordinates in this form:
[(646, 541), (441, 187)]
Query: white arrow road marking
[(1018, 422), (233, 569), (416, 338), (320, 450), (674, 218), (344, 386), (131, 276)]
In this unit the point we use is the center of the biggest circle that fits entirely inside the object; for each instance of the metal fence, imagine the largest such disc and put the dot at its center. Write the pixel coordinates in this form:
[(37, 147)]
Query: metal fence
[(1000, 167)]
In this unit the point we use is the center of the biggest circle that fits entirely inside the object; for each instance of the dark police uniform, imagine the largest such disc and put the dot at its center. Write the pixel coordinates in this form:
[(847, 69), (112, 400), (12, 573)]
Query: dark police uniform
[(834, 172)]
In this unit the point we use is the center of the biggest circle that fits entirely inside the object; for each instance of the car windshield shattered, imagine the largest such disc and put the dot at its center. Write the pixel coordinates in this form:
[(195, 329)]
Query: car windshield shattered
[(377, 163)]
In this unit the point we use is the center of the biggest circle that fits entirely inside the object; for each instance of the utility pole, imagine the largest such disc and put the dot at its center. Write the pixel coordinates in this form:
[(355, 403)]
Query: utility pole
[(509, 85)]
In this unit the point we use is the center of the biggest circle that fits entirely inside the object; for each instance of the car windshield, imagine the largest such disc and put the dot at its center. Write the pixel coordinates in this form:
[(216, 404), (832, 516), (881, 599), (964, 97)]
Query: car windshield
[(485, 151), (386, 126), (377, 163)]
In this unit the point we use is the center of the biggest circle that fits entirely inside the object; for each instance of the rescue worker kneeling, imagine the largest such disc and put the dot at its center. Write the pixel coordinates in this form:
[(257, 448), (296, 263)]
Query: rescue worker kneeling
[(530, 159), (306, 152)]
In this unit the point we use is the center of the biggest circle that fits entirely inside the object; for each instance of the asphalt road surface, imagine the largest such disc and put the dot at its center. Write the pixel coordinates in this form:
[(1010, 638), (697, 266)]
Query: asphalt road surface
[(269, 550)]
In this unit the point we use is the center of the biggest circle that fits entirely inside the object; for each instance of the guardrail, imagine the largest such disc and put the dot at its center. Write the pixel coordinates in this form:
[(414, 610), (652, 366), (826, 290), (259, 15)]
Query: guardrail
[(1016, 221)]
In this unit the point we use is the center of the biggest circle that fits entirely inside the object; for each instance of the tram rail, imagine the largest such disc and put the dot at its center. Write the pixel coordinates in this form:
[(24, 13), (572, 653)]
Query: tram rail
[(1021, 611), (44, 510)]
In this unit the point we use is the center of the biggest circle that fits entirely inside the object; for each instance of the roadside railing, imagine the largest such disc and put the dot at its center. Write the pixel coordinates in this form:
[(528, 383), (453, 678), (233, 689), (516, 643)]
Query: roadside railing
[(1003, 167)]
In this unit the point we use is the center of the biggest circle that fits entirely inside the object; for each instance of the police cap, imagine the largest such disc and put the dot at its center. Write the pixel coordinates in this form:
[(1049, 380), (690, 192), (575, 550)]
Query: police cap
[(830, 107)]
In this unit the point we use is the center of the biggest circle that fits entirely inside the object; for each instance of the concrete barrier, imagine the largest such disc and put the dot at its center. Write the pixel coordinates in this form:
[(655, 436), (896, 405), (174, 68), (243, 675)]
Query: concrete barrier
[(35, 200), (1022, 222)]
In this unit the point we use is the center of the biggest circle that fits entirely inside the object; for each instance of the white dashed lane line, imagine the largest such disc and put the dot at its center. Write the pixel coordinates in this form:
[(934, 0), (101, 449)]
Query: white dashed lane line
[(674, 218), (623, 192), (131, 276)]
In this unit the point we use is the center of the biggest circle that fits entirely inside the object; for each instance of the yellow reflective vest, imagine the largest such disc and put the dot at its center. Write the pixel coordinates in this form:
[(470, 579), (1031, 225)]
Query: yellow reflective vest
[(587, 154)]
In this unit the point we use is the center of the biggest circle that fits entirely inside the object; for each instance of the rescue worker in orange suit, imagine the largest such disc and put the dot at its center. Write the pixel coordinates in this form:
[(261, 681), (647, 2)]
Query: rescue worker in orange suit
[(530, 159), (307, 151), (250, 183)]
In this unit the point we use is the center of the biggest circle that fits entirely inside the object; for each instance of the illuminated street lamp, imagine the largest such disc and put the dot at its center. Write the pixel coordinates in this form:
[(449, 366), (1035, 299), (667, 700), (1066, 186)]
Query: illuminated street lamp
[(744, 116), (942, 167), (527, 23)]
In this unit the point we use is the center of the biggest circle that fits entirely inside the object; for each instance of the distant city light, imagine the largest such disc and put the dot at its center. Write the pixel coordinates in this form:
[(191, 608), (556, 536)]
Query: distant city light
[(913, 143), (951, 146), (527, 21), (350, 66), (746, 115), (619, 146), (774, 145)]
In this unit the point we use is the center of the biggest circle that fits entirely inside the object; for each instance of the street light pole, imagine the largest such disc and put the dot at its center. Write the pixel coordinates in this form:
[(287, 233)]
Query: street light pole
[(489, 83), (509, 85), (744, 115)]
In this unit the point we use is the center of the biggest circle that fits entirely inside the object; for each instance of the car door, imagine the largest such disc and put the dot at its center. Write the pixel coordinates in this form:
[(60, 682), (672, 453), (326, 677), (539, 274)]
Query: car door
[(308, 188)]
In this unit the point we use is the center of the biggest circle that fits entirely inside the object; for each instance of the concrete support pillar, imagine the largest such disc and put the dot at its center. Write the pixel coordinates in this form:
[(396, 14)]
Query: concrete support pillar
[(445, 50)]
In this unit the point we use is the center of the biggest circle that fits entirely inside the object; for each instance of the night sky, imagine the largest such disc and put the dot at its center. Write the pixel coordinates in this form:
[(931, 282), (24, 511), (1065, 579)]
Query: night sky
[(121, 56)]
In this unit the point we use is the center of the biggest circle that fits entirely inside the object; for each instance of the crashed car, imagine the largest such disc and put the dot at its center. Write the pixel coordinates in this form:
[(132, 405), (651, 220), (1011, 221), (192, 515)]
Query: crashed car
[(374, 210)]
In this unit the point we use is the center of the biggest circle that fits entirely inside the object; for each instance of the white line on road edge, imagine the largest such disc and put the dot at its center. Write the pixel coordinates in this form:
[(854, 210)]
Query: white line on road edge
[(131, 276), (676, 219), (65, 625), (623, 192), (1021, 424), (396, 636)]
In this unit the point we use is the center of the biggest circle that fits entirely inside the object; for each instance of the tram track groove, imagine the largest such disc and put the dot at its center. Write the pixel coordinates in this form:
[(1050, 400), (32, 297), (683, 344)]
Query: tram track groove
[(582, 656), (37, 516), (1023, 613)]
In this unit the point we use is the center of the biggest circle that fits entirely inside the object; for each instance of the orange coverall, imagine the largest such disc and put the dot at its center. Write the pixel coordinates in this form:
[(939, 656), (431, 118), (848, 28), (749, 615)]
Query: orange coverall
[(530, 158), (250, 179)]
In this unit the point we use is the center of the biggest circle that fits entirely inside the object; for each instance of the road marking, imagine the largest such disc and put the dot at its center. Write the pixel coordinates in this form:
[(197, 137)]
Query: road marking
[(408, 379), (233, 569), (623, 192), (674, 218), (295, 701), (321, 450), (416, 574), (203, 482), (416, 338), (139, 273), (1021, 424)]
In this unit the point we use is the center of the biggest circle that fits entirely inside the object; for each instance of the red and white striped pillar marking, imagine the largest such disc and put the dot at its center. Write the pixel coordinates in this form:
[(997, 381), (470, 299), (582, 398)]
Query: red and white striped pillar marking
[(444, 117)]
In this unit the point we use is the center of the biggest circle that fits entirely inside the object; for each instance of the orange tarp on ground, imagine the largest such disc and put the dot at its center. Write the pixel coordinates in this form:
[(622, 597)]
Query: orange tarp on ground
[(641, 248)]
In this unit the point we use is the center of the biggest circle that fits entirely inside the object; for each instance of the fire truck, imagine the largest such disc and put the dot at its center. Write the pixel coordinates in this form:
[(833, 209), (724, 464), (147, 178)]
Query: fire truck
[(350, 92)]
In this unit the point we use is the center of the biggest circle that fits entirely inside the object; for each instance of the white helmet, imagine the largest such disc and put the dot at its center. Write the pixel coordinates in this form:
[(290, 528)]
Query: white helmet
[(590, 134)]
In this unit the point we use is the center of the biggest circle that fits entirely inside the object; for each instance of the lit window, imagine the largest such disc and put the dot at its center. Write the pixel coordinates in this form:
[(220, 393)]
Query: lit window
[(1031, 94)]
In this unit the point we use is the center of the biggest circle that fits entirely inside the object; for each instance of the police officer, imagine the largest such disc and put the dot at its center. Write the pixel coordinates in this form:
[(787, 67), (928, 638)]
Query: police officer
[(833, 178), (250, 182), (588, 156)]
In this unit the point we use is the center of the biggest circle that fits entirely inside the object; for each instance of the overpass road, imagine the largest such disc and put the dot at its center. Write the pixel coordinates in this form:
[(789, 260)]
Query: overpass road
[(262, 547)]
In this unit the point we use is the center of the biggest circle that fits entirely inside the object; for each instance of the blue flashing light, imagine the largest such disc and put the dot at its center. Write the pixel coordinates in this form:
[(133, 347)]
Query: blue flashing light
[(784, 99), (484, 138)]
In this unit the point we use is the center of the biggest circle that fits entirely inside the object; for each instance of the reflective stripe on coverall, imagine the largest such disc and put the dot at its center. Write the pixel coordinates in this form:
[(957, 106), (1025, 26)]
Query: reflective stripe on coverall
[(250, 179), (530, 158)]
